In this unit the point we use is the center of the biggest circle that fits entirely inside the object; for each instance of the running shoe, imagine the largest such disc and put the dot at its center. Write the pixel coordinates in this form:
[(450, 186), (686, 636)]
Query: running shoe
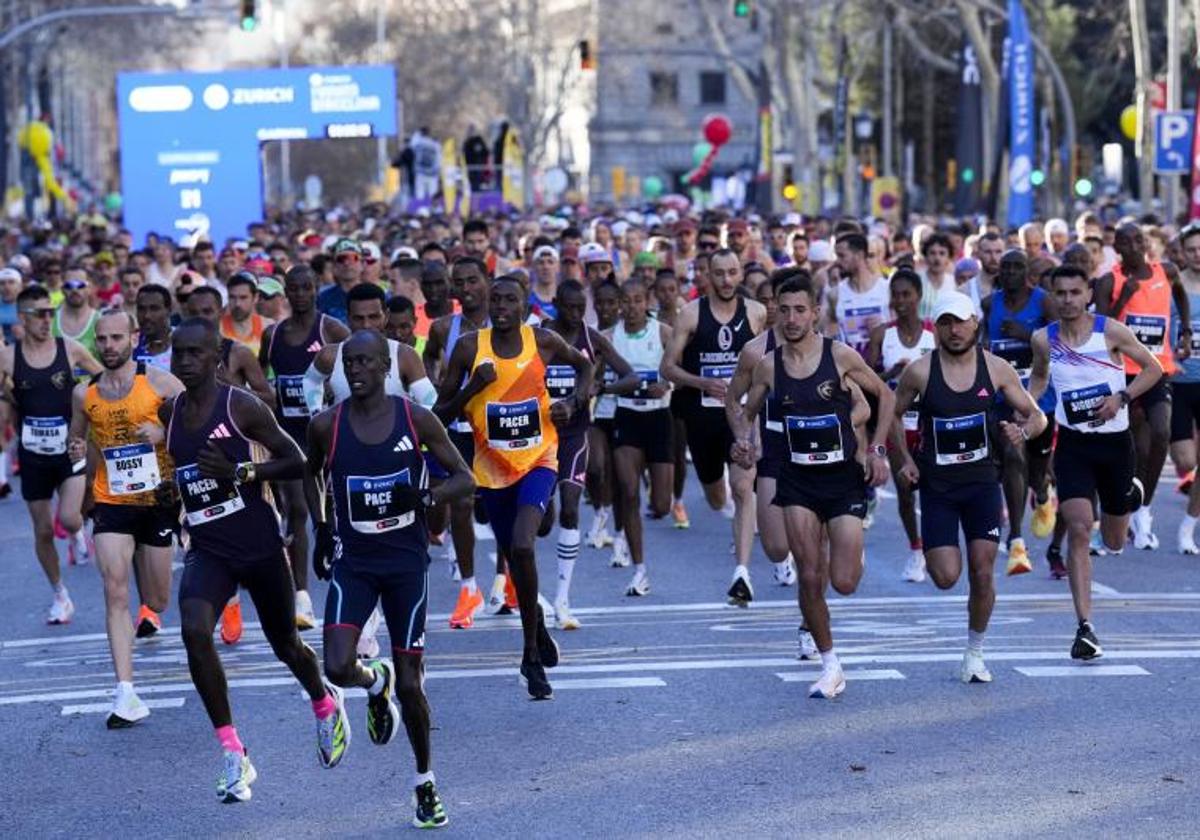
[(830, 685), (231, 623), (1086, 645), (741, 593), (237, 774), (806, 645), (679, 515), (563, 617), (127, 708), (1142, 526), (148, 622), (914, 569), (1096, 547), (6, 488), (368, 639), (533, 677), (785, 572), (79, 549), (872, 504), (60, 533), (305, 620), (510, 595), (1185, 483), (382, 715), (1018, 558), (640, 585), (1186, 540), (598, 535), (1042, 523), (973, 669), (547, 647), (620, 553), (333, 733), (495, 602), (1058, 569), (428, 807), (62, 609), (729, 510), (468, 604)]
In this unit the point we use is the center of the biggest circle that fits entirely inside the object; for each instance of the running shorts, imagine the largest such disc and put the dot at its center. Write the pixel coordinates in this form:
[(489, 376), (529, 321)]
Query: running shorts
[(829, 492), (1099, 464), (709, 440), (1159, 392), (573, 457), (215, 579), (152, 526), (1185, 410), (649, 431), (42, 476), (402, 593), (533, 489), (973, 507)]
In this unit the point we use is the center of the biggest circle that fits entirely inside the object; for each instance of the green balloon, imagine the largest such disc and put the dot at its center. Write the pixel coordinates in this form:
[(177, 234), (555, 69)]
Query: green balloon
[(652, 186), (113, 202), (700, 152)]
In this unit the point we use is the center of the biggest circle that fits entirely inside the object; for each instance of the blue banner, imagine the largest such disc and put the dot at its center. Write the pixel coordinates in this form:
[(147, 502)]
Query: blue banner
[(191, 142), (1021, 117)]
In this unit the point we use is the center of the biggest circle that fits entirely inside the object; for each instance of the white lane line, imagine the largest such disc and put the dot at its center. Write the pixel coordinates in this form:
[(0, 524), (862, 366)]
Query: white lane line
[(1084, 671), (1101, 589), (98, 708), (851, 675), (612, 682)]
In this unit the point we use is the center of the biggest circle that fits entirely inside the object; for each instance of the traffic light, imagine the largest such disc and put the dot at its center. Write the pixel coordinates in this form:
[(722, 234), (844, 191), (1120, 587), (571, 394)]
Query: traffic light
[(587, 61), (1083, 188), (787, 179), (249, 16), (742, 8), (1037, 177), (967, 176)]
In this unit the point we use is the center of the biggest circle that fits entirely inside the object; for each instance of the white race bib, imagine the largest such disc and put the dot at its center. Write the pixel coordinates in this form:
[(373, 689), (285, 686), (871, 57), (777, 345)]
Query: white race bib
[(131, 469), (44, 435)]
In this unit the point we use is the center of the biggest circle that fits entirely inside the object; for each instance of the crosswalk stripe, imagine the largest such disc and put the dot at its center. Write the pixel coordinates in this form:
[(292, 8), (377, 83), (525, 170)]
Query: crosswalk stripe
[(98, 708), (1084, 671), (851, 674), (610, 682)]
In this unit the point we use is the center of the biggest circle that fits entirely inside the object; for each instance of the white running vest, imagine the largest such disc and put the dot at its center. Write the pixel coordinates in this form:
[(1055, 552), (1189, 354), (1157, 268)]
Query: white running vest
[(858, 312), (644, 352), (1083, 377), (393, 386)]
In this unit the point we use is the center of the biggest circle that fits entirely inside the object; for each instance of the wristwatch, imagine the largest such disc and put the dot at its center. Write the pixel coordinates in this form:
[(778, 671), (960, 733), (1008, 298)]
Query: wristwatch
[(1124, 397), (879, 450), (427, 497), (245, 473)]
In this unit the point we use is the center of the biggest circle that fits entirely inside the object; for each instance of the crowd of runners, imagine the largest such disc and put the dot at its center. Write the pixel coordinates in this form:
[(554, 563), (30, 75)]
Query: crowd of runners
[(337, 393)]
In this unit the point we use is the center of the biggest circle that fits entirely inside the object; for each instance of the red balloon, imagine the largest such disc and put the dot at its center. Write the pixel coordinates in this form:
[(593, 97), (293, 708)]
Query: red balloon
[(717, 129)]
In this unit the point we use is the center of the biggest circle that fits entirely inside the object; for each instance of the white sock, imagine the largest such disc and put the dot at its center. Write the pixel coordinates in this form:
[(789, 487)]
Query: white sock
[(829, 660), (975, 640), (1188, 525), (124, 686), (421, 778), (376, 688), (60, 589), (5, 460), (606, 512), (470, 584), (568, 552)]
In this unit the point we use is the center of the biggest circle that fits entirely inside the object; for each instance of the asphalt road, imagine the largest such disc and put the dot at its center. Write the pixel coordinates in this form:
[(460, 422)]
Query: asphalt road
[(674, 715)]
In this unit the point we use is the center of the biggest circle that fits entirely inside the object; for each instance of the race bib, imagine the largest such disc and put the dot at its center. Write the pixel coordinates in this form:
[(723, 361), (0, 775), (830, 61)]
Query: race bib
[(1151, 330), (514, 426), (1081, 405), (640, 400), (206, 499), (560, 381), (815, 440), (960, 440), (771, 419), (1017, 353), (722, 372), (44, 435), (1196, 337), (374, 507), (291, 396), (131, 469), (606, 404)]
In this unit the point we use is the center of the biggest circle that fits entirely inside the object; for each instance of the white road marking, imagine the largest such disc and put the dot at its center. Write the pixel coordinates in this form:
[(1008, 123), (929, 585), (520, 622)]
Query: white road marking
[(99, 708), (852, 675), (611, 682), (1101, 589), (1084, 671)]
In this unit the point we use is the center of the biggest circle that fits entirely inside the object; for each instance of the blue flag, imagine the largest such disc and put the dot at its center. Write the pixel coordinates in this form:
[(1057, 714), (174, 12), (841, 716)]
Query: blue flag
[(1021, 117)]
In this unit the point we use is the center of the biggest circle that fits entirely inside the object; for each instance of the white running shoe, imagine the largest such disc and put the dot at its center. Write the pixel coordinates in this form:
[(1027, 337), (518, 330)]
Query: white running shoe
[(1187, 540), (62, 610), (79, 551), (233, 785), (127, 708), (807, 646), (368, 640), (495, 601), (563, 617), (785, 572), (1142, 525), (830, 685), (598, 535), (740, 592), (640, 585), (620, 553), (973, 670), (305, 620), (914, 569), (729, 510)]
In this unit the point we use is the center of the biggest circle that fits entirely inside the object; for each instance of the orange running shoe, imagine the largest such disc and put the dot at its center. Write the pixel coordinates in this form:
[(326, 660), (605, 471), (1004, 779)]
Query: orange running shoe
[(464, 611), (510, 593), (679, 515), (231, 623), (148, 622)]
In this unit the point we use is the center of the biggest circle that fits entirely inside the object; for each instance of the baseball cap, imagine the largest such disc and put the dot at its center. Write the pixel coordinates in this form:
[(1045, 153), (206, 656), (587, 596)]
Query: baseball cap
[(820, 251), (269, 287), (645, 258), (371, 252), (544, 251), (593, 252), (260, 265), (24, 265), (685, 223), (346, 246), (7, 274), (403, 252), (737, 225), (240, 245), (106, 257), (792, 220), (570, 254), (954, 304)]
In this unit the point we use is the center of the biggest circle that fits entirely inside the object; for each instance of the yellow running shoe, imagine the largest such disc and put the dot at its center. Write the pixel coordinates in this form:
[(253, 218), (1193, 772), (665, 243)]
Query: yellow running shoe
[(1044, 516), (1018, 558)]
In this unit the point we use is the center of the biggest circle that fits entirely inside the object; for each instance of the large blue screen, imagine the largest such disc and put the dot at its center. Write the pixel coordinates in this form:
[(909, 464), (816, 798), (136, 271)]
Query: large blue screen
[(190, 142)]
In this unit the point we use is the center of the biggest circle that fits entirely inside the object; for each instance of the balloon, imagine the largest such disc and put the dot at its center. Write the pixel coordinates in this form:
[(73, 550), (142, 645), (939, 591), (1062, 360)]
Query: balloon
[(1129, 121), (700, 152), (717, 129), (652, 186), (113, 202)]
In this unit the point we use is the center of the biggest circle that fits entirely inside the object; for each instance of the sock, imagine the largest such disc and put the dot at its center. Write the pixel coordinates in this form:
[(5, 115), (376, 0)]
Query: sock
[(678, 500), (568, 552), (376, 688), (1189, 524), (781, 566), (230, 742), (325, 707), (606, 512), (5, 459), (470, 584), (421, 778), (59, 589), (829, 660), (124, 686), (975, 640), (916, 545)]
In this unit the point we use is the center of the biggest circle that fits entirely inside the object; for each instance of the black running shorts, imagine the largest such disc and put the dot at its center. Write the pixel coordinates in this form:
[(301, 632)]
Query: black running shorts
[(828, 491), (649, 431), (1098, 464), (152, 526), (402, 593)]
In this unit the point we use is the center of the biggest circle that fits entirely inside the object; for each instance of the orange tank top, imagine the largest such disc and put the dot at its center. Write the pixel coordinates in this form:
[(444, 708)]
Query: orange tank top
[(254, 340), (1148, 316), (510, 418), (129, 469)]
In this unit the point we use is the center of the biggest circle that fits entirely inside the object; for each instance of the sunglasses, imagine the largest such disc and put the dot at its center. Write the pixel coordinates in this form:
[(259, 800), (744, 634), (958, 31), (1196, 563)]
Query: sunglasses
[(75, 284), (347, 258), (39, 312), (707, 245)]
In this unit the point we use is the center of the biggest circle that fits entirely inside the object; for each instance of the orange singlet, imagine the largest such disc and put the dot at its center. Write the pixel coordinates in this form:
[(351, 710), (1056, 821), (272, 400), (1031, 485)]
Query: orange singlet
[(1148, 315), (510, 418), (257, 325), (129, 469)]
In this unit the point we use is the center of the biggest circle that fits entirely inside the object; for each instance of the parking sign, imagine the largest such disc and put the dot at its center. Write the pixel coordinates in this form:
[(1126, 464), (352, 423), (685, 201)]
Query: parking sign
[(1173, 143)]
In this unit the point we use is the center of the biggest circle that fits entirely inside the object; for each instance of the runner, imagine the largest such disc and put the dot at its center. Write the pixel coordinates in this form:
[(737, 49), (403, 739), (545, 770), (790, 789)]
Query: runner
[(1011, 315), (242, 322), (1139, 292), (287, 349), (666, 291), (516, 441), (225, 445), (115, 425), (377, 547), (570, 306), (1085, 356), (957, 473), (76, 319), (601, 474), (821, 486), (154, 327), (893, 347), (1185, 392), (859, 302), (701, 359), (238, 366), (37, 382)]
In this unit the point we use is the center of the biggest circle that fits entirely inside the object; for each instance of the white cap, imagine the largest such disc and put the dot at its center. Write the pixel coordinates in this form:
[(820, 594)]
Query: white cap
[(404, 251), (619, 228), (820, 251), (792, 220), (547, 251), (371, 251), (955, 304), (10, 274), (593, 252)]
